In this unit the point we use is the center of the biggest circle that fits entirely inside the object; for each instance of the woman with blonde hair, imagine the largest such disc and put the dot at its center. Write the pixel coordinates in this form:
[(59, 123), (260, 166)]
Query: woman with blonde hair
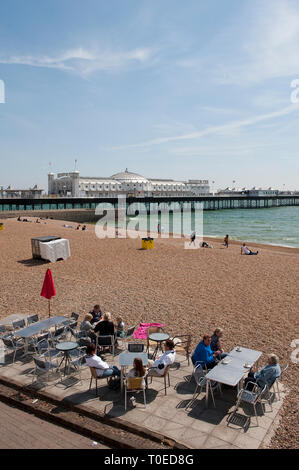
[(106, 326)]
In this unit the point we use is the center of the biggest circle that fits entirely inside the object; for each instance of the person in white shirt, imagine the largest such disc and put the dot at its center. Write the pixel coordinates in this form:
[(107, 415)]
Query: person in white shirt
[(102, 368), (245, 250), (167, 358)]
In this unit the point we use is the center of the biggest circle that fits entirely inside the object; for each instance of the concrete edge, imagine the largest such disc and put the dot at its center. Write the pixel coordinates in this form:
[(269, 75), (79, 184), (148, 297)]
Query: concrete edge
[(98, 416)]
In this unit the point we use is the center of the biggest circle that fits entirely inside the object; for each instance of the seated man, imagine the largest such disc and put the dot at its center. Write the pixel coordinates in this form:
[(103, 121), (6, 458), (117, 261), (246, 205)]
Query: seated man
[(204, 354), (163, 361), (102, 368), (96, 314), (266, 375), (245, 250)]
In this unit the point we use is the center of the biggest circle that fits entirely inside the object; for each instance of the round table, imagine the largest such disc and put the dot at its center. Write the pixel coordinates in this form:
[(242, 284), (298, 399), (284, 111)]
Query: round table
[(158, 338), (66, 347)]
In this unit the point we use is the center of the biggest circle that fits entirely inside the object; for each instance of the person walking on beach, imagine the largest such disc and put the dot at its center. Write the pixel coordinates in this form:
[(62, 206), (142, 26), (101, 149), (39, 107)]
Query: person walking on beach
[(192, 238), (226, 240), (245, 250)]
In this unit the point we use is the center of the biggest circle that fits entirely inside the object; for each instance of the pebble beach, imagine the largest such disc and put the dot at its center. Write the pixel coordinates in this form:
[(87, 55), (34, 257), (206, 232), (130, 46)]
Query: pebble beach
[(255, 299)]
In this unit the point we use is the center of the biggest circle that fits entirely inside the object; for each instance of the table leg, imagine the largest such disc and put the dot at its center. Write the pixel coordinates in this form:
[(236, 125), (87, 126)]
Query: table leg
[(121, 379), (207, 391)]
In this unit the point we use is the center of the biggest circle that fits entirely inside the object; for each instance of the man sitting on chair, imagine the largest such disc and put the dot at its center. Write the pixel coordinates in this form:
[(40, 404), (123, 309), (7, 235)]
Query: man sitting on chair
[(102, 368), (204, 354), (265, 376), (167, 358)]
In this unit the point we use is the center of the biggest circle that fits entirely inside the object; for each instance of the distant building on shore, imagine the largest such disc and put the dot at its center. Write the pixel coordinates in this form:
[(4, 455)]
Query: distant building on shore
[(126, 182), (31, 193)]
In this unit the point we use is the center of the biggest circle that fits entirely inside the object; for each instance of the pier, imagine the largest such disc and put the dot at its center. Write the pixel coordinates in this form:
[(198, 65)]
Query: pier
[(8, 206)]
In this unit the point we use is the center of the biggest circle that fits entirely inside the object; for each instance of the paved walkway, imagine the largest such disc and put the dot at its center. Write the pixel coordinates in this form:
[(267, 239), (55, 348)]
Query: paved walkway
[(199, 427), (21, 430)]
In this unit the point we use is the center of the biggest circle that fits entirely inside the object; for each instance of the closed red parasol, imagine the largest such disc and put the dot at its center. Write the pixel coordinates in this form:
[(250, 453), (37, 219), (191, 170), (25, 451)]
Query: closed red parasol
[(48, 289)]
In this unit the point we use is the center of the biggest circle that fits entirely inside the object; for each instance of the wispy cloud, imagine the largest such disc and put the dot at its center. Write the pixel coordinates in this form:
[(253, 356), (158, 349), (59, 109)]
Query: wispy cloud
[(82, 61), (270, 49), (220, 130)]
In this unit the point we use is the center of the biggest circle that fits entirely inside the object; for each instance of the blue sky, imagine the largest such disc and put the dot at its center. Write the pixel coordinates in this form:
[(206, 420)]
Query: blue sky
[(166, 88)]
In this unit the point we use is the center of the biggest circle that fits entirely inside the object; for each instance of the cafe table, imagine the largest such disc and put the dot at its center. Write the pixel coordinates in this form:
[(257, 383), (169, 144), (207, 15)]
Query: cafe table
[(232, 369), (66, 347), (158, 338)]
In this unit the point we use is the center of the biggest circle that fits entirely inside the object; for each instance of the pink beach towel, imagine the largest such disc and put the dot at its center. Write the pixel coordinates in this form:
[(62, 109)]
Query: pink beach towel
[(140, 333)]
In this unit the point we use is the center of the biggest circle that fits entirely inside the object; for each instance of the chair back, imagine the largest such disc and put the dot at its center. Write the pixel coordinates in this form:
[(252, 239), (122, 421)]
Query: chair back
[(130, 331), (17, 325), (134, 383), (32, 319), (198, 373), (59, 331), (2, 328), (166, 370), (135, 347), (93, 372), (42, 345), (40, 363), (8, 341), (75, 316), (105, 340)]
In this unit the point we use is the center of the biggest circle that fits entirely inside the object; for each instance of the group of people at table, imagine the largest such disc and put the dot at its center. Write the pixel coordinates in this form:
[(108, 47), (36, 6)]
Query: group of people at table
[(208, 352)]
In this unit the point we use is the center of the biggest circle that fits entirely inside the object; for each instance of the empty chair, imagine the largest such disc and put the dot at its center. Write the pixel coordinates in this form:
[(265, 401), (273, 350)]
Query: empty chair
[(199, 375), (44, 366), (13, 345), (128, 335), (182, 345), (72, 322), (32, 319), (106, 342), (2, 330), (135, 384), (135, 347), (58, 334), (18, 325), (252, 397)]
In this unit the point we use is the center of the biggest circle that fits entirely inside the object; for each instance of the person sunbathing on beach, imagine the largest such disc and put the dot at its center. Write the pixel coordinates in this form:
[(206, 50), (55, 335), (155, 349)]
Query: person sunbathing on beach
[(245, 250), (205, 245)]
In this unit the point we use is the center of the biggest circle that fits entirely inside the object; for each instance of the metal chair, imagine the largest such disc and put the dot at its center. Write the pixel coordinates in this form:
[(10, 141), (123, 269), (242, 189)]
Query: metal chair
[(199, 375), (135, 347), (155, 374), (129, 334), (105, 341), (94, 376), (135, 384), (57, 335), (72, 322), (44, 366), (32, 319), (182, 344), (252, 397), (18, 325), (277, 382), (13, 345), (3, 331)]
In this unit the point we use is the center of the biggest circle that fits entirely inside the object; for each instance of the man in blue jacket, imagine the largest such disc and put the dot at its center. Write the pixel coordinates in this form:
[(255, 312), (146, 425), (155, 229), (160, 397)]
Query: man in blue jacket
[(204, 354)]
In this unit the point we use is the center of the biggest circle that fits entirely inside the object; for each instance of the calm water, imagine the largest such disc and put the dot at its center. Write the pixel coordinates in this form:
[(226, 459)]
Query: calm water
[(279, 225)]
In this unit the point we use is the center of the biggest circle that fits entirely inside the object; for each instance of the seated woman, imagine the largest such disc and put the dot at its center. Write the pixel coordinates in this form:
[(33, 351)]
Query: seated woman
[(137, 371), (216, 344), (105, 327), (265, 376), (87, 327)]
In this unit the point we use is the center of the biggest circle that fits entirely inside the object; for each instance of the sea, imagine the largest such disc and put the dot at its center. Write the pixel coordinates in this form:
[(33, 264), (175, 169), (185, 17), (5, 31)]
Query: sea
[(275, 226)]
